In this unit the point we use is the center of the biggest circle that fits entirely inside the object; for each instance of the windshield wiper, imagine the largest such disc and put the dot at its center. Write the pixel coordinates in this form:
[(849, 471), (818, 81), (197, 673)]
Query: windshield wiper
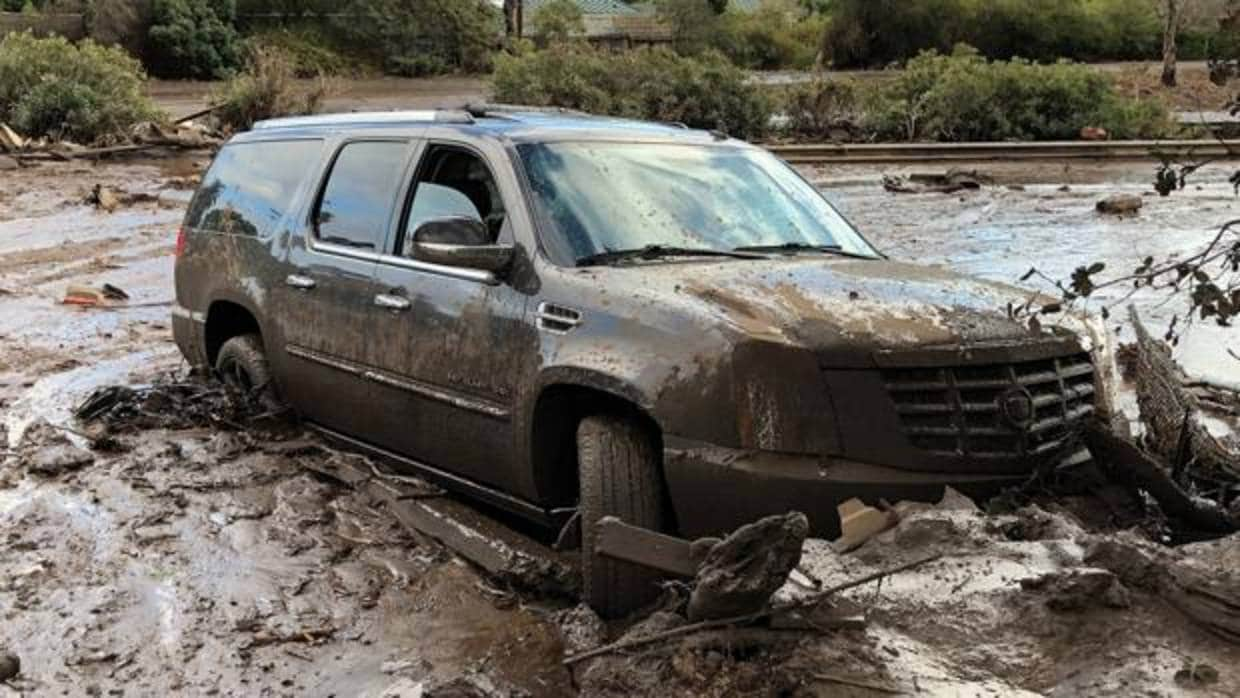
[(658, 251), (790, 247)]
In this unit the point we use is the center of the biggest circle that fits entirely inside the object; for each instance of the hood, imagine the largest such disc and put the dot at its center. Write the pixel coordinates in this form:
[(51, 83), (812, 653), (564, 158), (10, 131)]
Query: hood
[(846, 310)]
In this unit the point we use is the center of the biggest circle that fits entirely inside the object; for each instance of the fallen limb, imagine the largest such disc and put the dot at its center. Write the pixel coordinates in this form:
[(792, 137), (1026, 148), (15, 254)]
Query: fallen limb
[(1121, 456), (803, 602)]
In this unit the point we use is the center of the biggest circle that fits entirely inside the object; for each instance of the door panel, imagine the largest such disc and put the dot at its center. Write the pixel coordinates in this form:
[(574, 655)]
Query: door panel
[(447, 365), (325, 298)]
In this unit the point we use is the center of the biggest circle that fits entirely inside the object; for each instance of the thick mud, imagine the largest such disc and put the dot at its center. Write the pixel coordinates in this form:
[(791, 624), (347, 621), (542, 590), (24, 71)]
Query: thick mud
[(195, 561)]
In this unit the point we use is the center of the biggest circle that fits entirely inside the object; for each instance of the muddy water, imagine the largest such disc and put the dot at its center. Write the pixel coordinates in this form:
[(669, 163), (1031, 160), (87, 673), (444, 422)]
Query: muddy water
[(1000, 232)]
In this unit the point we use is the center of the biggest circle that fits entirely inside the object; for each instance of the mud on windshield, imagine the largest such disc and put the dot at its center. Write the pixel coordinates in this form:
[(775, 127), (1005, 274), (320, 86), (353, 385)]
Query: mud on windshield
[(600, 198)]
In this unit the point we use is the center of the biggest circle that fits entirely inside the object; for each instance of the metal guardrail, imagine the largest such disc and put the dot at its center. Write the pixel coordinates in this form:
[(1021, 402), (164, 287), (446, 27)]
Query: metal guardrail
[(826, 153)]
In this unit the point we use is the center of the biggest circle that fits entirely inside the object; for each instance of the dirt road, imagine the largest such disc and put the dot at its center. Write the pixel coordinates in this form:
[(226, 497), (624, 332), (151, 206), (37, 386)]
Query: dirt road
[(195, 560)]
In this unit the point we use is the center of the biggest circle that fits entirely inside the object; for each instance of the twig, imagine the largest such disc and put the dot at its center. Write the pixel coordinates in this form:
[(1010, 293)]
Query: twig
[(858, 684), (803, 602)]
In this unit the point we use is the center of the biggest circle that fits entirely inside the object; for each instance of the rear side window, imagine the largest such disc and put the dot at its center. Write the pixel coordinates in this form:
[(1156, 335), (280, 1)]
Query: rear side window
[(250, 186), (361, 189)]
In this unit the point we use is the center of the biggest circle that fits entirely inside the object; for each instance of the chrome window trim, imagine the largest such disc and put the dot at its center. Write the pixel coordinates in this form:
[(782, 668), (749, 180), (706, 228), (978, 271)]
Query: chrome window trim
[(475, 275)]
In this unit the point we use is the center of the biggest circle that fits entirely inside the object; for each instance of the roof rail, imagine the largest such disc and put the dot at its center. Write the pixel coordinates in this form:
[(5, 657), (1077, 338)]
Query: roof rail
[(451, 116), (489, 109)]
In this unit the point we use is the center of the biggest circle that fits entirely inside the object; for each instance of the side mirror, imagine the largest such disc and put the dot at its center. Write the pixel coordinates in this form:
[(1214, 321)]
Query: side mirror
[(459, 241)]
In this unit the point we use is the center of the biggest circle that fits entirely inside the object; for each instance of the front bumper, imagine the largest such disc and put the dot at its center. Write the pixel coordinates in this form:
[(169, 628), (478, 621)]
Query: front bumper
[(716, 490)]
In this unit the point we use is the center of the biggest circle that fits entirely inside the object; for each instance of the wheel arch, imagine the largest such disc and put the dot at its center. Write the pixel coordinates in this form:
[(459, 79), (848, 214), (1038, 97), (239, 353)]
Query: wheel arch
[(559, 407), (227, 318)]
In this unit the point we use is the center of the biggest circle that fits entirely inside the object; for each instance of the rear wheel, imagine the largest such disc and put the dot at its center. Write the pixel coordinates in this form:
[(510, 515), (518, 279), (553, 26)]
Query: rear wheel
[(242, 365), (619, 473)]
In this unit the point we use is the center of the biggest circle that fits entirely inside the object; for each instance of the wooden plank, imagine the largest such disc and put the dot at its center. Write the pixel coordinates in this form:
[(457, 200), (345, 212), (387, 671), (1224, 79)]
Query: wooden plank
[(621, 541)]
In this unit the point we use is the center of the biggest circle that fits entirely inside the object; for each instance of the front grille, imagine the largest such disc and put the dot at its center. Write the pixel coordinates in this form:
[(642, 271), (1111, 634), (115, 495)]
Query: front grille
[(955, 410)]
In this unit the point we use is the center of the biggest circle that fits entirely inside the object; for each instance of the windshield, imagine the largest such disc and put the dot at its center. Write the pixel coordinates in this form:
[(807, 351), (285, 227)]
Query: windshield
[(600, 198)]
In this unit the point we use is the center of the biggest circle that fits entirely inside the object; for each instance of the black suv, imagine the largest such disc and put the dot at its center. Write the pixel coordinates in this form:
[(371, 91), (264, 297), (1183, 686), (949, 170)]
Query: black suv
[(556, 313)]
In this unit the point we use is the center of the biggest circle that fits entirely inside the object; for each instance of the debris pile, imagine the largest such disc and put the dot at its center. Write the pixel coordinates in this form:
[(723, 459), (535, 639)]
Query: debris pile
[(176, 403), (950, 182), (180, 135)]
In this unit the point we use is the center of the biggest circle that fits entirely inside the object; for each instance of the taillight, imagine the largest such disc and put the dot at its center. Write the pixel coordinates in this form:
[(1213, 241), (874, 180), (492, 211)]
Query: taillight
[(180, 240)]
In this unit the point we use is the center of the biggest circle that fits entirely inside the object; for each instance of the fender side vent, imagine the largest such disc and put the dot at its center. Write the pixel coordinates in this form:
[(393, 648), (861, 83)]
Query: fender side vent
[(557, 319)]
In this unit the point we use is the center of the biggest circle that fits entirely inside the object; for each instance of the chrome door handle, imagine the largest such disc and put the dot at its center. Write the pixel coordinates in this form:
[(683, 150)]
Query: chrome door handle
[(303, 283), (395, 303)]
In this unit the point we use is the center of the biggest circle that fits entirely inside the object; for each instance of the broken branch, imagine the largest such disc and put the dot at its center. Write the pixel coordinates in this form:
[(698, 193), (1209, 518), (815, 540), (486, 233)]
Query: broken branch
[(811, 600)]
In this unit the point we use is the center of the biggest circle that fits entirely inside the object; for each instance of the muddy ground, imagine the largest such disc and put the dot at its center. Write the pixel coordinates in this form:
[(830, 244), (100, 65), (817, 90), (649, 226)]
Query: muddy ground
[(194, 559)]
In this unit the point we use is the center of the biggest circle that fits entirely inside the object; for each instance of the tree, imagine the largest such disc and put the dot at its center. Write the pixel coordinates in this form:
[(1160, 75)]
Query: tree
[(1172, 12), (558, 21), (693, 22)]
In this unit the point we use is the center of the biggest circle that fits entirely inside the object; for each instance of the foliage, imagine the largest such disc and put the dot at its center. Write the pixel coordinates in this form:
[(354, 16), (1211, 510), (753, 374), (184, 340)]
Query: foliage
[(427, 37), (656, 84), (879, 32), (311, 50), (558, 20), (964, 97), (265, 89), (694, 23), (826, 109), (84, 92), (193, 39), (779, 35)]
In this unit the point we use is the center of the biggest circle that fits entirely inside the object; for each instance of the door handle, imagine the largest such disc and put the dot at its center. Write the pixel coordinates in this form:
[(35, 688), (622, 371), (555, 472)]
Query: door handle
[(297, 281), (394, 303)]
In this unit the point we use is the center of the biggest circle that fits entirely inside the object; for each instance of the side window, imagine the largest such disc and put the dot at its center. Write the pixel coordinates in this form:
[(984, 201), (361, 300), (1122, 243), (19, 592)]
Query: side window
[(361, 188), (250, 186), (453, 182)]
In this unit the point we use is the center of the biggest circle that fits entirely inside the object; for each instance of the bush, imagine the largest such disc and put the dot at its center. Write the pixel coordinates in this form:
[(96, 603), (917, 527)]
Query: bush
[(265, 89), (868, 33), (311, 50), (426, 37), (779, 35), (964, 97), (86, 93), (655, 84), (193, 39), (826, 109), (557, 20)]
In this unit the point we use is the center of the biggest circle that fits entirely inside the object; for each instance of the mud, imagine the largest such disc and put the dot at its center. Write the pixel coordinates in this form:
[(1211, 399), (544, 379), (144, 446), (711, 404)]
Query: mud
[(192, 558)]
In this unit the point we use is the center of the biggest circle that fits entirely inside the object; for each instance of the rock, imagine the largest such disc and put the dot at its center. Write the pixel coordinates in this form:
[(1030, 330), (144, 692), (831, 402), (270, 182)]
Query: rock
[(8, 163), (59, 458), (741, 573), (1080, 589), (1120, 204), (1196, 675), (581, 629), (10, 666), (1093, 133)]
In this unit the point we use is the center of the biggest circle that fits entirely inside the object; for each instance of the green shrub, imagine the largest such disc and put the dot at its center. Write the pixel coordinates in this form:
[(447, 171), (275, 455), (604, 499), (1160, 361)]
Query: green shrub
[(193, 39), (826, 109), (779, 35), (426, 37), (84, 92), (266, 88), (964, 97), (557, 20), (655, 84), (311, 50)]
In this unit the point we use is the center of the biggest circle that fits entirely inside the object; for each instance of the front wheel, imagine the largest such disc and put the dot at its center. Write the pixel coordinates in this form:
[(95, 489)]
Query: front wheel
[(620, 476)]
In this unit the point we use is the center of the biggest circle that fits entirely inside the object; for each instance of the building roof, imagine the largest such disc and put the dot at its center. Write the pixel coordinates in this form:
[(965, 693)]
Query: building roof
[(588, 7)]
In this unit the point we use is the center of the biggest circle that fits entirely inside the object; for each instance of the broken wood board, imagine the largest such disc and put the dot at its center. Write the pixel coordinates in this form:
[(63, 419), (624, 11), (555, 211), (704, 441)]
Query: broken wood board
[(504, 554)]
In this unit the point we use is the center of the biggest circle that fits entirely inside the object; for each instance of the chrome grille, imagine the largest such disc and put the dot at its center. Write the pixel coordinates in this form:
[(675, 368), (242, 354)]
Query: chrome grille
[(955, 410)]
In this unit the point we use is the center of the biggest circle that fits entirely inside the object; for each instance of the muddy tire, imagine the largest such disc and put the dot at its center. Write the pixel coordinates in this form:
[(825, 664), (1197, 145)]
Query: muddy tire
[(242, 364), (620, 476)]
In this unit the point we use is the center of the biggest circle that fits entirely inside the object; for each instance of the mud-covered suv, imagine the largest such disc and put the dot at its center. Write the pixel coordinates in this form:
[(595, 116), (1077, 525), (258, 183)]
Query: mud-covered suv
[(558, 313)]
